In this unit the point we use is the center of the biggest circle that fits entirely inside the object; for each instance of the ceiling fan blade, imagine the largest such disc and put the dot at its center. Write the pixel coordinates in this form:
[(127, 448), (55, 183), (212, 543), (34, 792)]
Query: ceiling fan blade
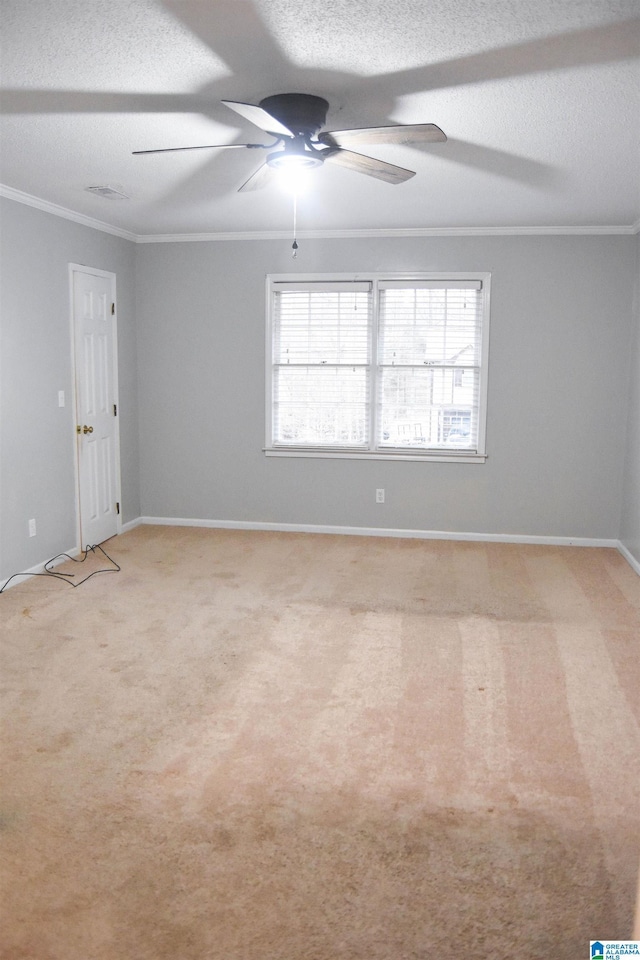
[(398, 133), (206, 146), (369, 165), (261, 178), (260, 117)]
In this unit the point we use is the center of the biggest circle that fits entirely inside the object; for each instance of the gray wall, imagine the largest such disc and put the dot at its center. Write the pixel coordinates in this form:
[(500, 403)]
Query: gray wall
[(37, 444), (563, 395), (630, 526), (561, 326)]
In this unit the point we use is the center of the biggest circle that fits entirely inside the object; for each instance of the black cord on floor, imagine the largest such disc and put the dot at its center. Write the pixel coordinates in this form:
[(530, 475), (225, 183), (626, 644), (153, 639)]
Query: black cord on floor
[(65, 576)]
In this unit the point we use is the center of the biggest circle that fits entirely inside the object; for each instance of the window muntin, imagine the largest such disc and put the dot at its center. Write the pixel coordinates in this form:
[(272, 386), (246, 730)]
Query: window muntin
[(378, 366)]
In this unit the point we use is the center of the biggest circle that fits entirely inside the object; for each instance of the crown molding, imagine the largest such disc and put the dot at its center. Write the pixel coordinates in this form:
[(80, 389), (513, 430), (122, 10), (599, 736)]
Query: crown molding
[(390, 233), (45, 205), (372, 233)]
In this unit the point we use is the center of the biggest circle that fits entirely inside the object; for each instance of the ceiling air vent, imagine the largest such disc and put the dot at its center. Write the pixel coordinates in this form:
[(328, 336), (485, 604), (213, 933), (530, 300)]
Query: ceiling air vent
[(109, 193)]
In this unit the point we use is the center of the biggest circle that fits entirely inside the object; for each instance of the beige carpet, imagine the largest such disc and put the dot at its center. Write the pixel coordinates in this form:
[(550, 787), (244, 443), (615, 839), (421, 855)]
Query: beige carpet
[(268, 746)]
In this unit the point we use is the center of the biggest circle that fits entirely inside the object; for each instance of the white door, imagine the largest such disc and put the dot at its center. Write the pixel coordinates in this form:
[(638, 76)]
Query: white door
[(96, 404)]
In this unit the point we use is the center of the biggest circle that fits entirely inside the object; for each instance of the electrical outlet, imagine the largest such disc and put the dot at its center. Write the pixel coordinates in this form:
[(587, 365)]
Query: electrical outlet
[(380, 495), (32, 528), (61, 398)]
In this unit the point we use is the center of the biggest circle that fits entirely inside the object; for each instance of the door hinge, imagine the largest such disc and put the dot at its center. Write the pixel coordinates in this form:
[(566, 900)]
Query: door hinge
[(113, 309), (115, 410), (117, 508)]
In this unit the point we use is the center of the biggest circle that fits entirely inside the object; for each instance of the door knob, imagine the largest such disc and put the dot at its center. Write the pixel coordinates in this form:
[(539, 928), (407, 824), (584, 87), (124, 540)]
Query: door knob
[(87, 429)]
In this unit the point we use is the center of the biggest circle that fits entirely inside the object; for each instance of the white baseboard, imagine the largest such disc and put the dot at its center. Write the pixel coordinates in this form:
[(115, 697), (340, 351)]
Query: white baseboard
[(130, 525), (350, 531), (629, 557), (392, 532), (380, 532), (39, 568)]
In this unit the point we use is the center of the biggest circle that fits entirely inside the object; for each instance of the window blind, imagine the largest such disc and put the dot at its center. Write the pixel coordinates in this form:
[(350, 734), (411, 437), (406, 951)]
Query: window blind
[(380, 366), (321, 353), (429, 358)]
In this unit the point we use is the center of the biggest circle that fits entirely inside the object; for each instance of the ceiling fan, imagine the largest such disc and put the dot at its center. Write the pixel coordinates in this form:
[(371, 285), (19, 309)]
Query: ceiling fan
[(295, 119)]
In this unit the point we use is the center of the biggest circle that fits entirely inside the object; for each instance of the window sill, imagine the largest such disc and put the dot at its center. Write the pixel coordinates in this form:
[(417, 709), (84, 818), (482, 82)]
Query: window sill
[(440, 456)]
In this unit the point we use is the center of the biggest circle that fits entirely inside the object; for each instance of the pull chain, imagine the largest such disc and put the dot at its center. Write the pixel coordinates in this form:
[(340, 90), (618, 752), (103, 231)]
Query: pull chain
[(294, 245)]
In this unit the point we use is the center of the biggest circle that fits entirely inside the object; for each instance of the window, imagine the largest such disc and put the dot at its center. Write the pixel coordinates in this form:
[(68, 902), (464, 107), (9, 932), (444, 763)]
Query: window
[(377, 366)]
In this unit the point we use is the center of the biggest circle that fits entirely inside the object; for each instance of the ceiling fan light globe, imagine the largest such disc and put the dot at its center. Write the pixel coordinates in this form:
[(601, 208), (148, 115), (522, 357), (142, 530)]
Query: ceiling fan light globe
[(293, 180), (288, 160)]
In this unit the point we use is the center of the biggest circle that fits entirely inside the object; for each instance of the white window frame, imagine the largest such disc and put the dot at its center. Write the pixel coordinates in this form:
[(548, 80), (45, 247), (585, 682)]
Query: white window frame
[(373, 453)]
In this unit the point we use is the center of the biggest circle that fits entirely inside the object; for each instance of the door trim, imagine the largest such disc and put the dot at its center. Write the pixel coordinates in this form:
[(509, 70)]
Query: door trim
[(94, 271)]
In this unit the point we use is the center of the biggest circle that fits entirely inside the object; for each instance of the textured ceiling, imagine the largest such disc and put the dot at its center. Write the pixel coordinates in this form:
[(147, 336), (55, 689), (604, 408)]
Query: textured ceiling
[(540, 102)]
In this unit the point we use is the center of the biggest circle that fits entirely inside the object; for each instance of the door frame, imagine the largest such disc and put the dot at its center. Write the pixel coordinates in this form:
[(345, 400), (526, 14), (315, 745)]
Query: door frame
[(94, 271)]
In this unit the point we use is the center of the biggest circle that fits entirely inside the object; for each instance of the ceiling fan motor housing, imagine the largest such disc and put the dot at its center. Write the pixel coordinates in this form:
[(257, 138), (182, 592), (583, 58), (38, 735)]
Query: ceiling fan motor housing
[(299, 112)]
